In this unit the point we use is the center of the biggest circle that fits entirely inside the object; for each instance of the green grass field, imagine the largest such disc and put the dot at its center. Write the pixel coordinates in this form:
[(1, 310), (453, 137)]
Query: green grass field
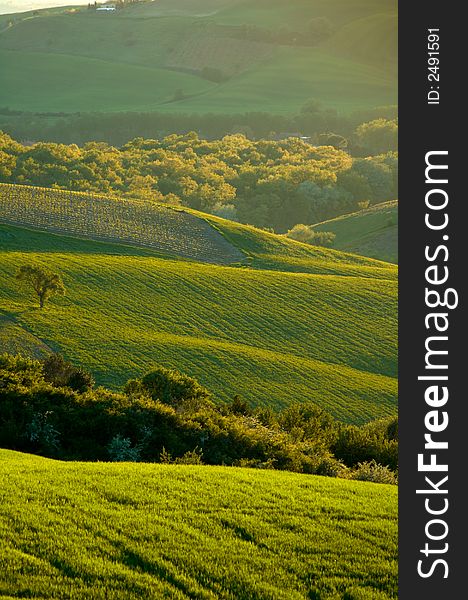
[(43, 82), (371, 232), (114, 531), (291, 336), (173, 231), (14, 339), (289, 322), (271, 336), (52, 61)]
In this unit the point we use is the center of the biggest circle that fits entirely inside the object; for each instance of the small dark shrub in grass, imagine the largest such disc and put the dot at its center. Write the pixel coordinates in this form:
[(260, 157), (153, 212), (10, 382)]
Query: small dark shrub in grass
[(372, 471)]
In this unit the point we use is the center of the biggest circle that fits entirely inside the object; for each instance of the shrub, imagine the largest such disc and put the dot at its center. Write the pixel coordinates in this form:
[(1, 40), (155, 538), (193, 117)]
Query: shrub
[(120, 450), (42, 434), (239, 406), (172, 387), (378, 136), (164, 457), (306, 421), (307, 235), (332, 139), (330, 467), (251, 463), (62, 373), (98, 424), (372, 471), (377, 440), (192, 457), (323, 238), (80, 380)]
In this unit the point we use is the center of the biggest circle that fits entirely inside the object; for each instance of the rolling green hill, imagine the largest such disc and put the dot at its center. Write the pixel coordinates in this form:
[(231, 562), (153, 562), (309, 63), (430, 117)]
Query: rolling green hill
[(134, 530), (172, 231), (154, 56), (289, 322), (105, 218), (371, 232), (14, 339)]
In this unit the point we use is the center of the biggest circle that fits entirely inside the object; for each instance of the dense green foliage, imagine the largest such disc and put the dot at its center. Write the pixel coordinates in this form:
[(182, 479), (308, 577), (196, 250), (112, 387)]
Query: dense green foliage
[(370, 232), (307, 235), (322, 328), (378, 136), (50, 408), (263, 183), (192, 532)]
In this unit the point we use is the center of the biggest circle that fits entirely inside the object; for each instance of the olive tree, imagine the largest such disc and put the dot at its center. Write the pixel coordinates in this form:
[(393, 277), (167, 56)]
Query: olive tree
[(45, 283)]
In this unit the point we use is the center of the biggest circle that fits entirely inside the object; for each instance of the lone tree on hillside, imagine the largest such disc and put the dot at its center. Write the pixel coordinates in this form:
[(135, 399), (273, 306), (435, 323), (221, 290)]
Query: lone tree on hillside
[(44, 283)]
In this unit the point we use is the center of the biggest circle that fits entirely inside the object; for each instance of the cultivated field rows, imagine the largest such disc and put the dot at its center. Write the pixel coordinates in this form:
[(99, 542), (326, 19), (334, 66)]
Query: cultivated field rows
[(126, 221)]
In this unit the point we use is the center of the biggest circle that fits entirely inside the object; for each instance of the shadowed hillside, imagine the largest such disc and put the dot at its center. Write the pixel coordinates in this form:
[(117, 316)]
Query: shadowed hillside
[(204, 56)]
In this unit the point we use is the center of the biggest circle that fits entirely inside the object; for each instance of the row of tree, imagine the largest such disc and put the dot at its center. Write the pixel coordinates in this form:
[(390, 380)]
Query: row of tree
[(313, 120), (52, 408), (266, 183)]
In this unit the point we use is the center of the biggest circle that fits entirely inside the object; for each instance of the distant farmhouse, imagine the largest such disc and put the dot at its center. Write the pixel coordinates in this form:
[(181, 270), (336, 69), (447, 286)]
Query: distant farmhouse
[(110, 7), (106, 8)]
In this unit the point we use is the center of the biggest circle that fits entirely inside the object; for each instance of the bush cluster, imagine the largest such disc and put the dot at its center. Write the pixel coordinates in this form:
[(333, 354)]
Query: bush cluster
[(265, 183), (169, 417), (307, 235)]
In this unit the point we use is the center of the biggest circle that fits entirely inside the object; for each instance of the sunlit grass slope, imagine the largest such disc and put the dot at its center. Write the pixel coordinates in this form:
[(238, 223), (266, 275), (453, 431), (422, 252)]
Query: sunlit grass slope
[(181, 232), (270, 251), (371, 232), (14, 339), (271, 336), (115, 531), (52, 60), (139, 223)]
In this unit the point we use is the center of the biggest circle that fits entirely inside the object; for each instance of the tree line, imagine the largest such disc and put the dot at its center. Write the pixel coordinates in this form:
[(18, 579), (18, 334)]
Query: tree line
[(266, 183), (53, 408), (118, 128)]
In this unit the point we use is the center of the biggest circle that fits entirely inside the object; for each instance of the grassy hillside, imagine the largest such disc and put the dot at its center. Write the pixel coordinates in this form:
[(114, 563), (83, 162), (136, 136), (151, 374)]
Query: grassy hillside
[(192, 532), (276, 252), (127, 221), (371, 232), (152, 57), (173, 231), (272, 336), (14, 339)]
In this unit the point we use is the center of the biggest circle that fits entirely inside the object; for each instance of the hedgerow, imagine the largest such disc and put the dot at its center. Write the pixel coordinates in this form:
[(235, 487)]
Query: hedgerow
[(169, 417)]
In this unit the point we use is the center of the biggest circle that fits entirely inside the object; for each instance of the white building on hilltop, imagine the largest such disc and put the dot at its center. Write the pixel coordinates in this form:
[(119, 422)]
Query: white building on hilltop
[(106, 8)]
